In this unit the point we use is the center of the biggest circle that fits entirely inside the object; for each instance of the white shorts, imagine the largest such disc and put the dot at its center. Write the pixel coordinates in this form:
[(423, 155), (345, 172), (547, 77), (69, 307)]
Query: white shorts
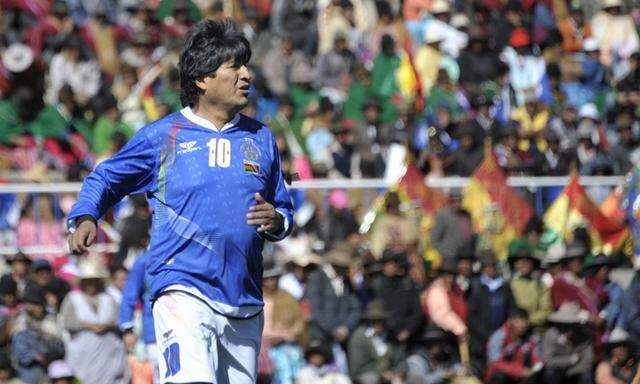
[(199, 345)]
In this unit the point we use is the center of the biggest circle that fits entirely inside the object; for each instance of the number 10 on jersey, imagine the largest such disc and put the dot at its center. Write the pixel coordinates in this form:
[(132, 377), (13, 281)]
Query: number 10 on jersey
[(219, 153)]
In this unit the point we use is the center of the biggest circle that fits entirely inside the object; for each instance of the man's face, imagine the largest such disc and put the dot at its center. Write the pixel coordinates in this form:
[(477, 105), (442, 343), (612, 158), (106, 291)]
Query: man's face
[(519, 326), (43, 277), (524, 266), (465, 267), (390, 269), (20, 268), (119, 279), (575, 265), (228, 87), (35, 310)]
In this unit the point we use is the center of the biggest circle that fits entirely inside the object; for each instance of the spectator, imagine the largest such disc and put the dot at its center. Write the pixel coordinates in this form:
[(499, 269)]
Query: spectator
[(135, 230), (283, 327), (489, 304), (89, 316), (619, 366), (392, 230), (335, 309), (400, 297), (37, 339), (7, 373), (55, 289), (615, 32), (320, 368), (469, 155), (569, 285), (452, 233), (372, 358), (566, 347), (19, 274), (40, 226), (280, 63), (294, 280), (444, 304), (135, 291), (573, 29), (9, 294), (528, 290), (513, 352), (116, 284), (333, 69), (609, 293), (431, 359), (60, 372)]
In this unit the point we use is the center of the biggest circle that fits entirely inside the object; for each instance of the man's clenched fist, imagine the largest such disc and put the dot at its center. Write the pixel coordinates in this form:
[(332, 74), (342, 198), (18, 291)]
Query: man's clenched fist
[(83, 237)]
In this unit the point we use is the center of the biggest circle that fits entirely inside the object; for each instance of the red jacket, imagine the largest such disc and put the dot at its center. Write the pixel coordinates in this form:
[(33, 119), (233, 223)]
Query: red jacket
[(511, 357)]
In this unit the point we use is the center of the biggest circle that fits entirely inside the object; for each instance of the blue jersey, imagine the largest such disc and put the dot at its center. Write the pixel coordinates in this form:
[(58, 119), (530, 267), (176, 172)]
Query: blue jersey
[(200, 183), (136, 290)]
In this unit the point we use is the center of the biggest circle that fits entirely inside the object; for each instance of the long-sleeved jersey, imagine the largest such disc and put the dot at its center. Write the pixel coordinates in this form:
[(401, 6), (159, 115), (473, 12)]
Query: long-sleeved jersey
[(135, 290), (200, 182)]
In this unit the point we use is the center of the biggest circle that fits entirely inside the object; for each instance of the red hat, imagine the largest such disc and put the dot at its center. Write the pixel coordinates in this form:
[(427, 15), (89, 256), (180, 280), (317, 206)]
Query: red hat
[(519, 38)]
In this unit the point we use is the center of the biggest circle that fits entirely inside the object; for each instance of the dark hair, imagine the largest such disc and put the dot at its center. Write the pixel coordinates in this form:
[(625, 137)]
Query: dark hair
[(518, 313), (210, 43)]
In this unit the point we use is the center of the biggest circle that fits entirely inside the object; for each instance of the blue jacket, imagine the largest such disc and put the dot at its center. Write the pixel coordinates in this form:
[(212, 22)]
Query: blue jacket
[(136, 290), (200, 182)]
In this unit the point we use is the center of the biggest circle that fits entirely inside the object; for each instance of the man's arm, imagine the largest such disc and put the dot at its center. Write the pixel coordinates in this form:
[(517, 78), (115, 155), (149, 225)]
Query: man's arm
[(129, 171), (132, 293), (279, 197)]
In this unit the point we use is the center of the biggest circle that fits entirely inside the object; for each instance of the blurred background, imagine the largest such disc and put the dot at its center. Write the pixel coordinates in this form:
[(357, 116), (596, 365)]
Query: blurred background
[(464, 175)]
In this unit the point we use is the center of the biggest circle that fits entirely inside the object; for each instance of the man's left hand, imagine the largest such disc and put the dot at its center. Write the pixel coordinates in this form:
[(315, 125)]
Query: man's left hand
[(264, 215)]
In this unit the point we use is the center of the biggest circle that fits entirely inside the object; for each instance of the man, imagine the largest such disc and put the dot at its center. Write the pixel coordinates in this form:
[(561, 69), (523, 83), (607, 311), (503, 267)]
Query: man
[(203, 169), (513, 352), (399, 296), (528, 290), (452, 232), (335, 309), (489, 304), (432, 359), (567, 349), (372, 358), (619, 366)]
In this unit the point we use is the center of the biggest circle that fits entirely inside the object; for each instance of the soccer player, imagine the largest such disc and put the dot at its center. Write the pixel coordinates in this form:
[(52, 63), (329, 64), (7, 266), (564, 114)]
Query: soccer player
[(213, 179)]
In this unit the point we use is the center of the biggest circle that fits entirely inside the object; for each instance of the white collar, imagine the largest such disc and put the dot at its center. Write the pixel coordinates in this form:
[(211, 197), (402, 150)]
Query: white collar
[(201, 121)]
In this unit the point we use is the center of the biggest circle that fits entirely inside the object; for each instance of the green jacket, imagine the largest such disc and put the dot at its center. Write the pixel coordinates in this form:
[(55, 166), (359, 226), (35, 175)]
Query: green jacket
[(363, 357), (533, 296)]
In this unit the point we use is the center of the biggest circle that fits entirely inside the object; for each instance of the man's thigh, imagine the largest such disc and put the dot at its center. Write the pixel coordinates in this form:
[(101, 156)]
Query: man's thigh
[(186, 343), (238, 348)]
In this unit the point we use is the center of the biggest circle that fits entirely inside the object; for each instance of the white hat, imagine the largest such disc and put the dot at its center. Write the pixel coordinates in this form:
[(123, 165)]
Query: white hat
[(590, 45), (555, 253), (440, 6), (17, 57), (611, 3), (59, 369), (589, 111), (459, 20), (568, 313), (433, 34), (92, 268), (618, 336)]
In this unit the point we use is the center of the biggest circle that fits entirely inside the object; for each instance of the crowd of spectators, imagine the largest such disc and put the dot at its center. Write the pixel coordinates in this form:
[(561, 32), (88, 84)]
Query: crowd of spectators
[(342, 83)]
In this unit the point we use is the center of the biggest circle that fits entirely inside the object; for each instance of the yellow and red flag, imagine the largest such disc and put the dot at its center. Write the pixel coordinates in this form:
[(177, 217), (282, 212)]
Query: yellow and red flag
[(499, 214), (574, 209)]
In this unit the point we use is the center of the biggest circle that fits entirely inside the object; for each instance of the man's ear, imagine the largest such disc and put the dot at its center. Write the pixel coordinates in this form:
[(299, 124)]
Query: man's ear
[(201, 84)]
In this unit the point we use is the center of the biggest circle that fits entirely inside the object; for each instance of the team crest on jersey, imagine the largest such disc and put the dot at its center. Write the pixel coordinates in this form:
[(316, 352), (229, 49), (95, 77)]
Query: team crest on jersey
[(250, 150), (188, 146)]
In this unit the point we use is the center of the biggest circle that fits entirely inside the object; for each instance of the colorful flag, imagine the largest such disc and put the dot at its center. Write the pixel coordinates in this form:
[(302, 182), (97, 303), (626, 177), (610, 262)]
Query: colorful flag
[(498, 212), (631, 206), (574, 209)]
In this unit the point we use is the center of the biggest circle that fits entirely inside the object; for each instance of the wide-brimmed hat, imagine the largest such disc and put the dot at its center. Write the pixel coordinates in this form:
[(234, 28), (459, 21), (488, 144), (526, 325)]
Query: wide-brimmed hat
[(555, 253), (19, 257), (611, 4), (618, 336), (318, 347), (340, 256), (574, 250), (432, 334), (34, 294), (522, 249), (59, 369), (440, 6), (568, 313), (17, 57), (598, 261), (375, 311), (92, 268)]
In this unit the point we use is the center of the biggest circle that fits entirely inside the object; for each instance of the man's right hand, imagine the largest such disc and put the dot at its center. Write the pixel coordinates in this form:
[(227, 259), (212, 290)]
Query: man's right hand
[(83, 237)]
